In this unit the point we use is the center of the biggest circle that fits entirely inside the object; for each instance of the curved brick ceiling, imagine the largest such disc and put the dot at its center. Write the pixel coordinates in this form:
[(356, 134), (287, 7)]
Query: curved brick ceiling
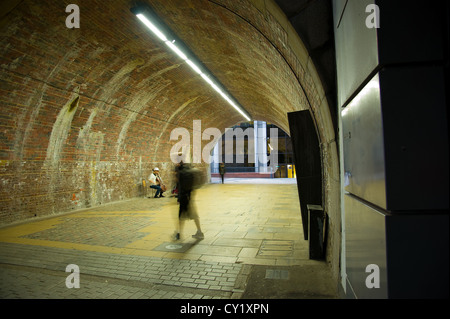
[(113, 62), (80, 105), (240, 56)]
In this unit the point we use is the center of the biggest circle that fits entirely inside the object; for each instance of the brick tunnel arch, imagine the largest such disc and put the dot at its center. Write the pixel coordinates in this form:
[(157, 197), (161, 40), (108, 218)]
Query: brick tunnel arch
[(87, 113)]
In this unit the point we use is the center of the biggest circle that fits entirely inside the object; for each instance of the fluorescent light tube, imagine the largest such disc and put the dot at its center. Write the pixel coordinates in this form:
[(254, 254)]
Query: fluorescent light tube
[(215, 87), (152, 27), (194, 67), (176, 50), (206, 78), (182, 55)]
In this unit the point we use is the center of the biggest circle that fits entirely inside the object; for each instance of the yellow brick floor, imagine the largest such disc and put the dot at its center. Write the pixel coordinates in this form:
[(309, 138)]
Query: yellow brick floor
[(256, 224)]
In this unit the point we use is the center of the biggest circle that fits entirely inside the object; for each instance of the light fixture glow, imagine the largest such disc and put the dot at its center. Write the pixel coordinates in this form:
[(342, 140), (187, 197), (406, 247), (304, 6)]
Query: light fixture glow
[(176, 50), (184, 57), (215, 87), (194, 67), (206, 78), (152, 27)]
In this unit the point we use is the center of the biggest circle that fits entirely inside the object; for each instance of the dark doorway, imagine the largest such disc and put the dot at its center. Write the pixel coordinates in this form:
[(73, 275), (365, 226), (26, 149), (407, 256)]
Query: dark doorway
[(307, 161)]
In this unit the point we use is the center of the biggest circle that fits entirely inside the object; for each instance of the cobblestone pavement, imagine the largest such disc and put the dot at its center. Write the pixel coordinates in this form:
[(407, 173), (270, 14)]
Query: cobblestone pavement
[(125, 251), (40, 272)]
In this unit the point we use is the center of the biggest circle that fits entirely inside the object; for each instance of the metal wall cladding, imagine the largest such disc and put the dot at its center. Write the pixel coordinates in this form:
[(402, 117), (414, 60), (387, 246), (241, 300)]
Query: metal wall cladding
[(365, 245), (356, 46), (415, 132), (364, 165)]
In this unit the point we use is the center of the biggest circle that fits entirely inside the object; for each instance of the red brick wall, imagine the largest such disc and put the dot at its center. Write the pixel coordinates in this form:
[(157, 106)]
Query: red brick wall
[(81, 124)]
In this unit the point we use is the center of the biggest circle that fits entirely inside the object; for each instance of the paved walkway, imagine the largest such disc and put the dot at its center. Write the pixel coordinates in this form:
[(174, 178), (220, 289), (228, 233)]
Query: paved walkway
[(233, 180), (124, 250)]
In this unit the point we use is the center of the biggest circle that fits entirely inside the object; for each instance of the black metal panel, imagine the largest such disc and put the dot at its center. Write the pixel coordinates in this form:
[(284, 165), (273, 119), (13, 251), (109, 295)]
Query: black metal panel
[(417, 255), (316, 232), (411, 32), (308, 162), (415, 133)]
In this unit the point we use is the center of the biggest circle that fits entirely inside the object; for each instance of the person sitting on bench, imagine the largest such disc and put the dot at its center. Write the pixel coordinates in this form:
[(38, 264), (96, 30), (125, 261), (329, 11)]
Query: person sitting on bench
[(156, 183)]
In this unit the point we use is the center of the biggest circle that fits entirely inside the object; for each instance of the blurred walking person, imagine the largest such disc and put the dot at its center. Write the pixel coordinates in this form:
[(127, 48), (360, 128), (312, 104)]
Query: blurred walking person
[(186, 177)]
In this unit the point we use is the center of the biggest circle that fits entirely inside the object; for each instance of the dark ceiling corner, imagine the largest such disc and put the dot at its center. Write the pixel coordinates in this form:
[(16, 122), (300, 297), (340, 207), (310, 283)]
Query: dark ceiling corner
[(313, 21)]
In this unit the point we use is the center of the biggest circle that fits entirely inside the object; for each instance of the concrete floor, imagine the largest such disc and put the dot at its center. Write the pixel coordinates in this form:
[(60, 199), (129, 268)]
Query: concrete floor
[(253, 248)]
